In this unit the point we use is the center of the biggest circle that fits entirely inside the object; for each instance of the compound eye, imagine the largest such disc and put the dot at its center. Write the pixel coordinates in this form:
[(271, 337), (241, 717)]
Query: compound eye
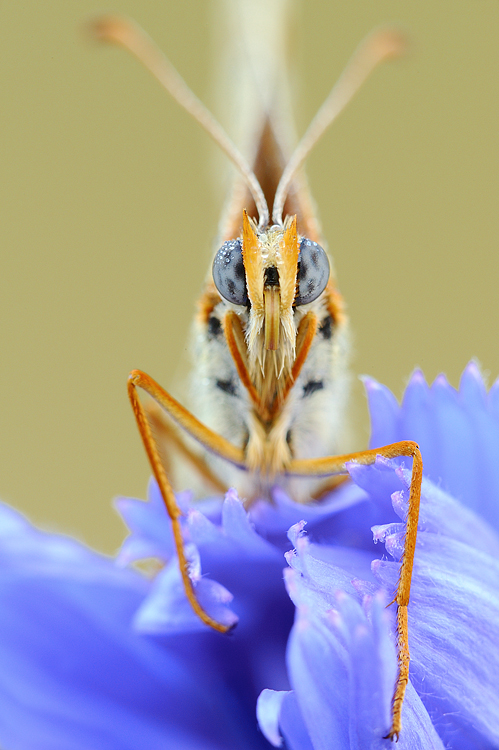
[(229, 274), (313, 272)]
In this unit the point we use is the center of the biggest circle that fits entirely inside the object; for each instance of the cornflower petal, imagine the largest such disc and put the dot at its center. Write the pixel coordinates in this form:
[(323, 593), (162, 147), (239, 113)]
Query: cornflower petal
[(455, 577), (280, 719), (76, 676), (318, 674), (275, 518), (167, 610), (457, 431), (239, 560), (453, 636), (453, 613), (292, 725), (235, 535), (268, 708), (151, 532), (442, 514), (326, 568), (342, 666), (384, 412)]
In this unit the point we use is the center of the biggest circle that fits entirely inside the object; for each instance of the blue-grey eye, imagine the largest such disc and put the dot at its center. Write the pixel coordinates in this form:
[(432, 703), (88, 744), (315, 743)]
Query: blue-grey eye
[(313, 272), (229, 274)]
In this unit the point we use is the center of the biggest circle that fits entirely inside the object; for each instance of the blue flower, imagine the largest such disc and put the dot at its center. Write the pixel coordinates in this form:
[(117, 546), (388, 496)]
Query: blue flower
[(94, 654)]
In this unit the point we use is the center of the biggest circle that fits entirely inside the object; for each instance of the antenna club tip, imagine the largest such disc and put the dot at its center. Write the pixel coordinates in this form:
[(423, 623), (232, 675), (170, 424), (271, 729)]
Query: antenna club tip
[(389, 43), (111, 29)]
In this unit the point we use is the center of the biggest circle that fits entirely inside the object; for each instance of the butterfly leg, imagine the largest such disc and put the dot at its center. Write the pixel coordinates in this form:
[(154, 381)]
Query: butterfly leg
[(337, 465), (206, 437), (169, 441)]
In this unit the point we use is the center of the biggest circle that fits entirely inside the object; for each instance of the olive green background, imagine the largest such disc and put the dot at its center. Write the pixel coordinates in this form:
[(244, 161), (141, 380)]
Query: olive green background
[(108, 210)]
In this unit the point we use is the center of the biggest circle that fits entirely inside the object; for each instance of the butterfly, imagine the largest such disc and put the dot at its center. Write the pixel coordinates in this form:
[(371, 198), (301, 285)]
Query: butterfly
[(271, 334)]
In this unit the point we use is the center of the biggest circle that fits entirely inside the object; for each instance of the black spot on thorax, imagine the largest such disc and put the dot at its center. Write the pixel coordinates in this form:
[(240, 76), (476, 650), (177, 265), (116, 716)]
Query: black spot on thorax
[(214, 328), (311, 387), (326, 327), (227, 386)]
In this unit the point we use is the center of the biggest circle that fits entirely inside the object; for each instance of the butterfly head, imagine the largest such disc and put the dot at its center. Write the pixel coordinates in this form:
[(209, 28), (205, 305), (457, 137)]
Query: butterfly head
[(271, 273)]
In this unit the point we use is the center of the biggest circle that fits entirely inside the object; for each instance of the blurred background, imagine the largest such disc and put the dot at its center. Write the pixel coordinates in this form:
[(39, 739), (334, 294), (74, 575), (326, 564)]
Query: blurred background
[(109, 204)]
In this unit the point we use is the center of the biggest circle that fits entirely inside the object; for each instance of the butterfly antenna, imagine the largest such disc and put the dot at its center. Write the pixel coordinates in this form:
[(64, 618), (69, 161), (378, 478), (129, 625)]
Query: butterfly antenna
[(120, 31), (384, 44)]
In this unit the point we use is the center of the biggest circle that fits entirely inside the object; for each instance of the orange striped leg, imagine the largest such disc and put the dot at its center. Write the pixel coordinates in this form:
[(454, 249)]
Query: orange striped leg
[(166, 434), (209, 439), (337, 465)]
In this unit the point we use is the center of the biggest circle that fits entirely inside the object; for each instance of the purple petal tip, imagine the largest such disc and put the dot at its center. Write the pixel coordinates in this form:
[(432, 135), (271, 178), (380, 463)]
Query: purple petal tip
[(472, 380), (232, 498), (370, 384), (441, 381), (417, 378), (296, 531)]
